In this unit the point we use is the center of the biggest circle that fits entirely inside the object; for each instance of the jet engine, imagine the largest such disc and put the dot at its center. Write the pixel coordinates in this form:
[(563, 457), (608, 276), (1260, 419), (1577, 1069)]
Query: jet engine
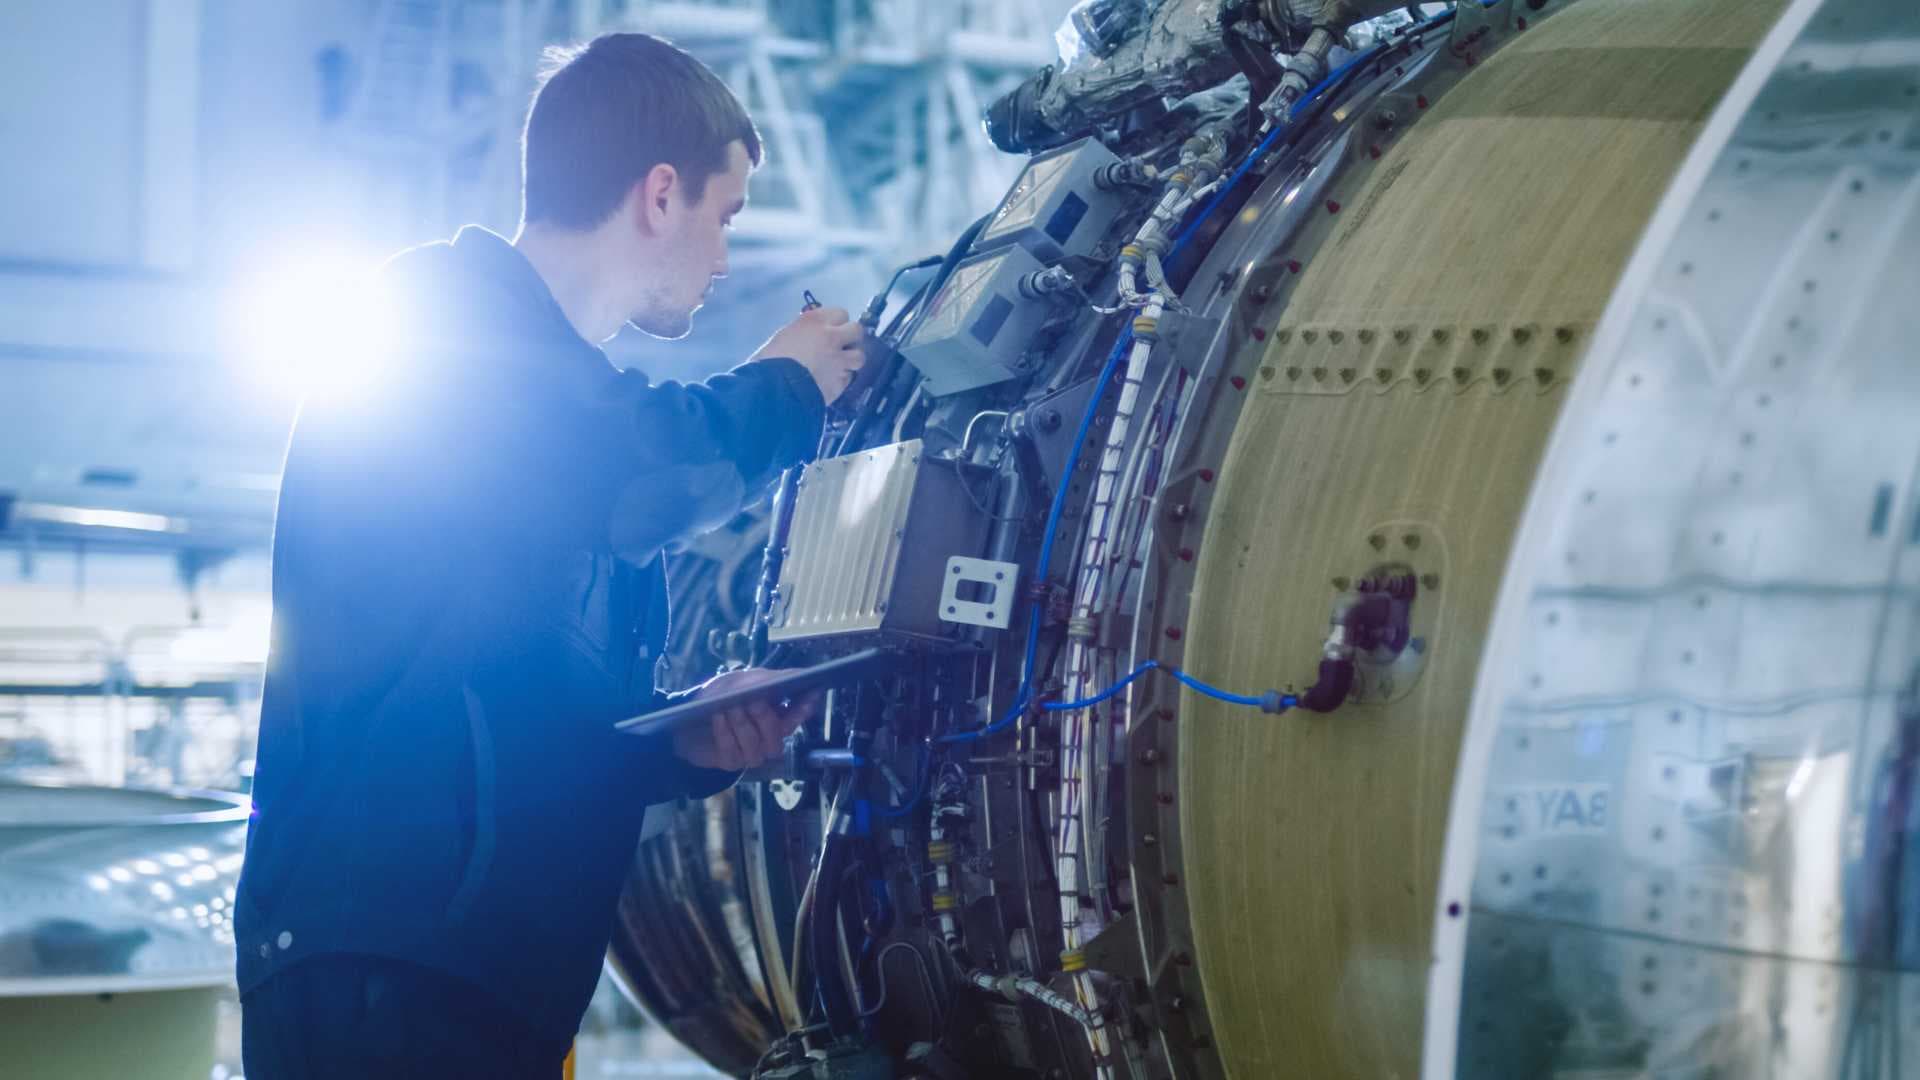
[(1418, 576)]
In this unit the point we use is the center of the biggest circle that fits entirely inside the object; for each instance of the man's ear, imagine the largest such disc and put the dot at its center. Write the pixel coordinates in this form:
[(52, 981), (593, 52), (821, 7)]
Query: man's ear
[(654, 194)]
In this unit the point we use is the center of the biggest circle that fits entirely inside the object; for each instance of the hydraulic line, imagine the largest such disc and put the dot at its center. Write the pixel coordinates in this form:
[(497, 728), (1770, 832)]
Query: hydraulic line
[(1272, 701)]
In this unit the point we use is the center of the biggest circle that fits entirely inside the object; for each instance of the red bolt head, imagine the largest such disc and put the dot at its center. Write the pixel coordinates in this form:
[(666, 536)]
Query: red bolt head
[(1206, 476), (1521, 22), (1173, 633), (1259, 334), (1293, 265), (1420, 102), (1238, 382), (1170, 878), (1332, 207), (1186, 554), (1373, 152)]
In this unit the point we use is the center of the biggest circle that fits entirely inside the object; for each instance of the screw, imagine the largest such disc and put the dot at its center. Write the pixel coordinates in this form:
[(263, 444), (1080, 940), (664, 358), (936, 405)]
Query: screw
[(1186, 554), (1165, 798), (1170, 878), (1259, 334), (1050, 419), (1149, 840), (1150, 756), (1173, 633), (1332, 207), (1238, 382)]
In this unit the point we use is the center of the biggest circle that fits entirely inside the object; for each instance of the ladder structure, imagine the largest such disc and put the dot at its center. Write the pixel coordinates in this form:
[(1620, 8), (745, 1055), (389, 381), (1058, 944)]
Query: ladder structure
[(870, 110)]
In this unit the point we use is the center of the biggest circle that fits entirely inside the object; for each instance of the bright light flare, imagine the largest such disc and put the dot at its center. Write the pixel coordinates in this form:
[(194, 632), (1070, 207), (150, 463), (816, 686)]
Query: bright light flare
[(315, 326), (242, 640)]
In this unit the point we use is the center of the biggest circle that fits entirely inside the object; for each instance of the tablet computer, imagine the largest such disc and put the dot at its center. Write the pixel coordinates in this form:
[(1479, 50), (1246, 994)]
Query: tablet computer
[(792, 683)]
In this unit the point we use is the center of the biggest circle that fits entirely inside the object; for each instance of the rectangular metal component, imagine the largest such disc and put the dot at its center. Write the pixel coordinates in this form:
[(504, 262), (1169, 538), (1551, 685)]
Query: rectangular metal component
[(867, 552), (1054, 208), (978, 325), (994, 583)]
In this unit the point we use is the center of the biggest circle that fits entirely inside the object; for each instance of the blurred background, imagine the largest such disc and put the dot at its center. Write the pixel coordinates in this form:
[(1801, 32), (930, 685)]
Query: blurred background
[(187, 180)]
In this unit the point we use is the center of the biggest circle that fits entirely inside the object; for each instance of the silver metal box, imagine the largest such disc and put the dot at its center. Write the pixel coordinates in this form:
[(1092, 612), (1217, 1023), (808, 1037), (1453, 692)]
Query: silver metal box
[(868, 548), (978, 324), (1055, 208)]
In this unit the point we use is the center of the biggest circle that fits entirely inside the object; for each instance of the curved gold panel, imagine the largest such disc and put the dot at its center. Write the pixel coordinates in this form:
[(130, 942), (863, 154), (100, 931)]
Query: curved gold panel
[(1407, 390)]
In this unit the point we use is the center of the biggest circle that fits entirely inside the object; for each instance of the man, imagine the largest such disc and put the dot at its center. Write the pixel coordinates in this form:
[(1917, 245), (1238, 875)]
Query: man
[(468, 595)]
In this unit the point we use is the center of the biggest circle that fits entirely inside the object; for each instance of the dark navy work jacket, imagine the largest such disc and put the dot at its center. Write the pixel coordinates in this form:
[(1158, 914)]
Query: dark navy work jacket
[(467, 595)]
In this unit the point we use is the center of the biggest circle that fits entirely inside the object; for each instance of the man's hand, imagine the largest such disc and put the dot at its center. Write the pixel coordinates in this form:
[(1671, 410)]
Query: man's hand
[(744, 736), (826, 343)]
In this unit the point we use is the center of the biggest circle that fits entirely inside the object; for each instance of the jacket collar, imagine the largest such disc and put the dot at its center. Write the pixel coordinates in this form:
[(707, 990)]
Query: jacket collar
[(533, 313)]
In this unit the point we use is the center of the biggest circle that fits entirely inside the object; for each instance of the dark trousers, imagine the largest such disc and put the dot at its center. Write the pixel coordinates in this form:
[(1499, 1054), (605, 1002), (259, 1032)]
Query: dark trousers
[(369, 1018)]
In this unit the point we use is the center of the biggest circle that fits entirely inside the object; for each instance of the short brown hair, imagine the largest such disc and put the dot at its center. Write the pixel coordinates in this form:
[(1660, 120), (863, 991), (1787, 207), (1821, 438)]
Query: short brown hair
[(607, 112)]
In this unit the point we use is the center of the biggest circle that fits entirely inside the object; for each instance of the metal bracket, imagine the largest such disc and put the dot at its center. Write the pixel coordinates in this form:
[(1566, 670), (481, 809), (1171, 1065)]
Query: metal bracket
[(1180, 330), (787, 793), (1116, 949), (1473, 24), (996, 578)]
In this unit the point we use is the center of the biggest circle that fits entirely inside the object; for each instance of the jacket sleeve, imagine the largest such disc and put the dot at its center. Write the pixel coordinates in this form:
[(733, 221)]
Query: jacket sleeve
[(688, 456)]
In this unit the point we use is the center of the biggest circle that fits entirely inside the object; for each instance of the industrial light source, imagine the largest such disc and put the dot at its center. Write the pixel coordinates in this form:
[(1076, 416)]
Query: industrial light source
[(315, 326)]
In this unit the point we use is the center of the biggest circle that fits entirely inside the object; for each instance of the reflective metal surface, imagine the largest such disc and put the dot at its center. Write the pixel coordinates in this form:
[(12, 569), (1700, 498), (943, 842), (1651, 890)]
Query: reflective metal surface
[(1687, 801), (114, 890), (686, 947)]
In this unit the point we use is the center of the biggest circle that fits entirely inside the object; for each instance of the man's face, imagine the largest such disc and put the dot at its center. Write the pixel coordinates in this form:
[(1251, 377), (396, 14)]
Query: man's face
[(693, 254)]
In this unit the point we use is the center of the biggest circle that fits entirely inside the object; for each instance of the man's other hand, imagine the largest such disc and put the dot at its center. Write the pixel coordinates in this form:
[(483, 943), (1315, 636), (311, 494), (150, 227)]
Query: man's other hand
[(743, 736), (826, 343)]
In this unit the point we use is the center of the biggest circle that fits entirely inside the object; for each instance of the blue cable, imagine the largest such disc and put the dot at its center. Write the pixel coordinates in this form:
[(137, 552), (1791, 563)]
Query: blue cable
[(1272, 701), (1120, 345)]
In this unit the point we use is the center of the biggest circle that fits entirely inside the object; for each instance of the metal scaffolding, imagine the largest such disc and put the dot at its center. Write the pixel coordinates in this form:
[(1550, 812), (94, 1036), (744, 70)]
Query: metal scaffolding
[(870, 110)]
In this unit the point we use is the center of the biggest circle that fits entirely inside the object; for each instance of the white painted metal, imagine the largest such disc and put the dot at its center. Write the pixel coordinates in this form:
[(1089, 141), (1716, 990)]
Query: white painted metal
[(1697, 661)]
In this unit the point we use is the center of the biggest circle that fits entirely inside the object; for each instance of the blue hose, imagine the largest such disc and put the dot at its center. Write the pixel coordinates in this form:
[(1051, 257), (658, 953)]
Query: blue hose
[(1272, 701), (1058, 507)]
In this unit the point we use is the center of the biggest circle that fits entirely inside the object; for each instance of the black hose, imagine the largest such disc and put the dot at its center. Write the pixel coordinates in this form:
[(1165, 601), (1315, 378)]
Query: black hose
[(823, 939), (871, 317), (888, 388), (952, 259)]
